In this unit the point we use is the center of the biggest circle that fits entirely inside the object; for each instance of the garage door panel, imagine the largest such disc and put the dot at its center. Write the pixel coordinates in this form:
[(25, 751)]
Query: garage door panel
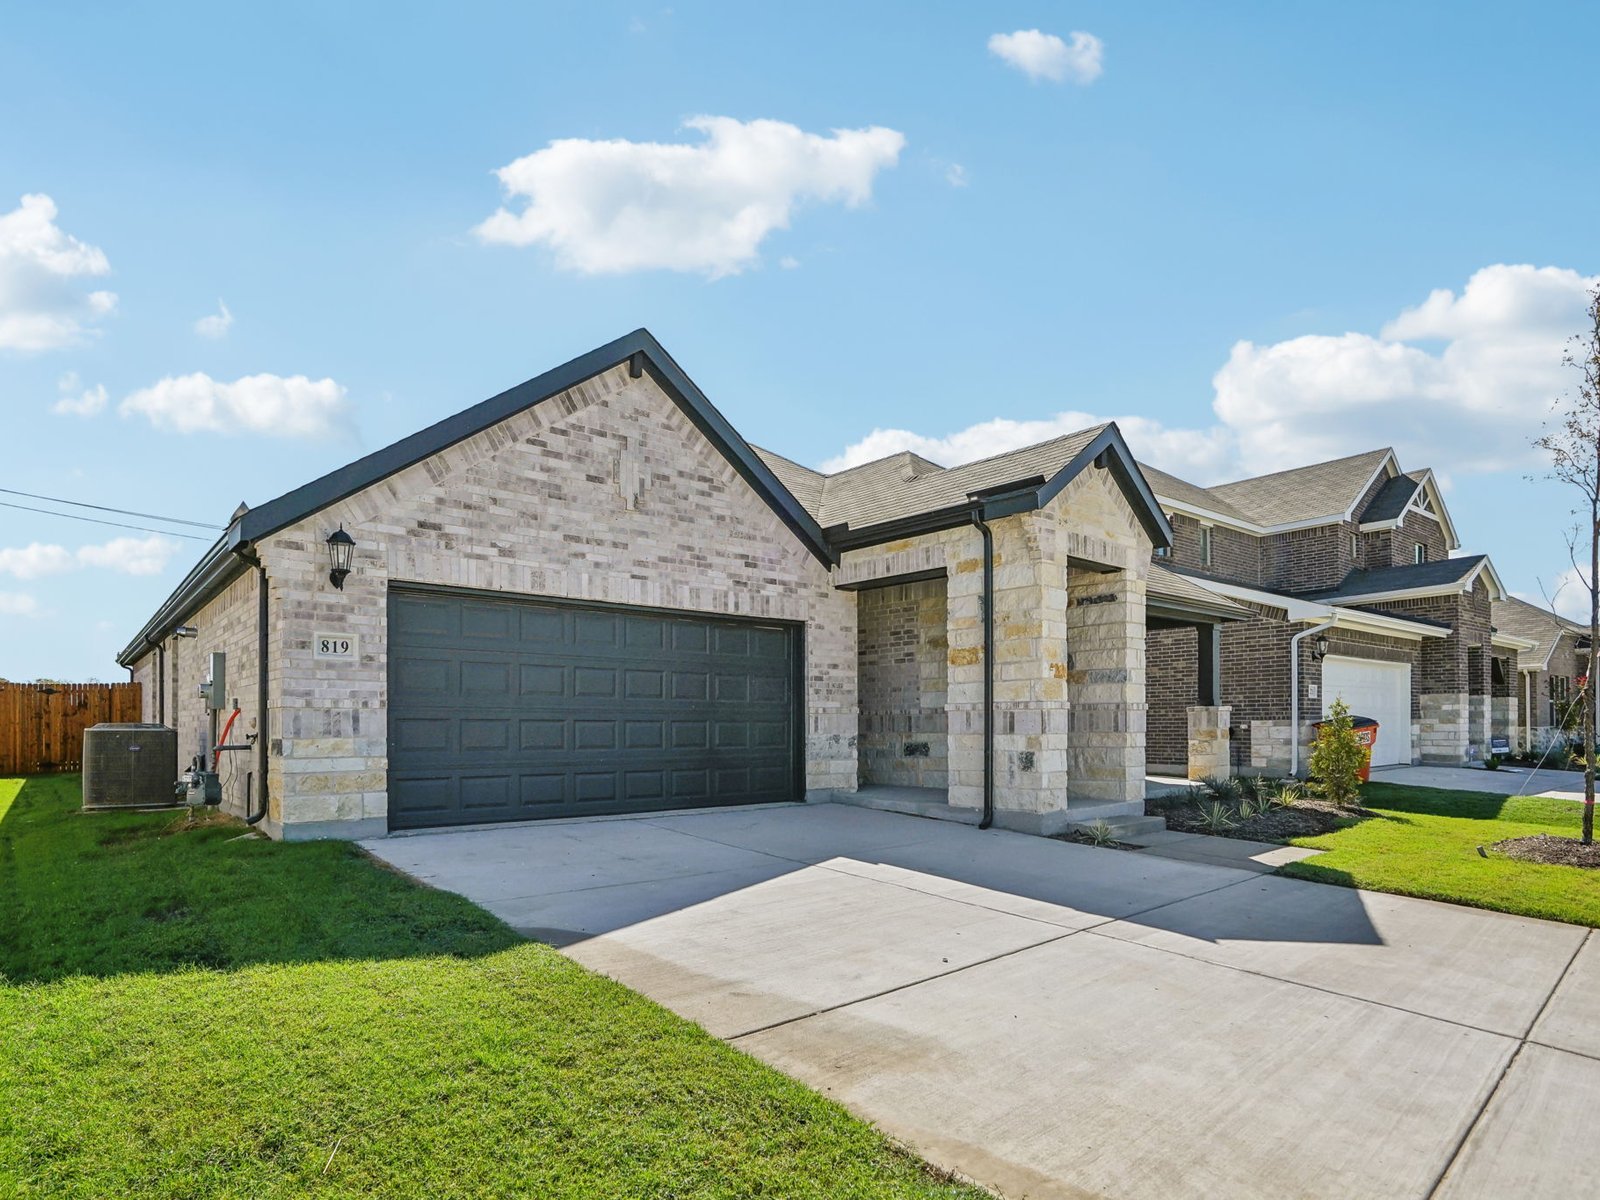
[(510, 709), (1376, 689)]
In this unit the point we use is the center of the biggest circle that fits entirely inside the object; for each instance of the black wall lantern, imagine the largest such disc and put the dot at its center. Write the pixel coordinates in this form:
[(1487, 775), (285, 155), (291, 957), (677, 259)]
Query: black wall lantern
[(1319, 649), (341, 549)]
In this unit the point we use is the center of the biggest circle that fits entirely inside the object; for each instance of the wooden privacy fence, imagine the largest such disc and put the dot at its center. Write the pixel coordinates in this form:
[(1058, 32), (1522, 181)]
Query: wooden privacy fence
[(42, 724)]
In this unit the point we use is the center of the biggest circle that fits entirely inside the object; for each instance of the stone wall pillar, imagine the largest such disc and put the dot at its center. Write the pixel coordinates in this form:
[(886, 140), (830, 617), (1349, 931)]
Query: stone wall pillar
[(1479, 723), (1105, 669), (1444, 732), (1210, 741)]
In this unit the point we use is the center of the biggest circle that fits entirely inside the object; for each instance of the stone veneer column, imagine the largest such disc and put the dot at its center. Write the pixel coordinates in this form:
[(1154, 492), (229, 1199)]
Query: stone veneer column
[(1210, 741), (1030, 693), (1444, 730), (1105, 670)]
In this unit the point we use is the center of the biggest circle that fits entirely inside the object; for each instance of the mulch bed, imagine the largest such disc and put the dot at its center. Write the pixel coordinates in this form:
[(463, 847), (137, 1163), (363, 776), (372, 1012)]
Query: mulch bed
[(1548, 848), (1308, 818)]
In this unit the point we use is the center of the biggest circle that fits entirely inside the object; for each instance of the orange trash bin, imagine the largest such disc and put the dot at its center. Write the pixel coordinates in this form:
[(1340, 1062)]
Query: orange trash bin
[(1366, 731)]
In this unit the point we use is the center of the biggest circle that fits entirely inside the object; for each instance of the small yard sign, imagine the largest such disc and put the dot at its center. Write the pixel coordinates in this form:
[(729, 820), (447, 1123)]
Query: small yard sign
[(341, 647)]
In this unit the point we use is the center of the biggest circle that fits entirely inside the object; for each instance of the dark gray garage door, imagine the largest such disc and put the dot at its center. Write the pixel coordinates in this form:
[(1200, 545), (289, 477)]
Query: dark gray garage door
[(506, 710)]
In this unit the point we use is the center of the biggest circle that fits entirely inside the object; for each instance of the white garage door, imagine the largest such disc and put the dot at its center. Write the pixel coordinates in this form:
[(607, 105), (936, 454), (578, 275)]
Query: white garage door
[(1380, 690)]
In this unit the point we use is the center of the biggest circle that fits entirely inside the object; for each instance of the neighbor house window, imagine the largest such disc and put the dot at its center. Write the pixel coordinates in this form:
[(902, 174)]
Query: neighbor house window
[(1205, 545), (1422, 553), (1163, 551)]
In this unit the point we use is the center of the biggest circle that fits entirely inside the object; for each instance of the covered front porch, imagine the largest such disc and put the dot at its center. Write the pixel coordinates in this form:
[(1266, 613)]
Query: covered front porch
[(1189, 727), (1001, 670)]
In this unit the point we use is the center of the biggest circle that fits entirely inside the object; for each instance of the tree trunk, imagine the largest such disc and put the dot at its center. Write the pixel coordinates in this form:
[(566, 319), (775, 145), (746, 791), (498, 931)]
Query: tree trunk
[(1594, 649)]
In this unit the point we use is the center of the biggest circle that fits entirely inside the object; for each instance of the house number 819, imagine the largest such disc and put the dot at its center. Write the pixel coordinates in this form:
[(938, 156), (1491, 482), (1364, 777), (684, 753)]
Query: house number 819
[(333, 645)]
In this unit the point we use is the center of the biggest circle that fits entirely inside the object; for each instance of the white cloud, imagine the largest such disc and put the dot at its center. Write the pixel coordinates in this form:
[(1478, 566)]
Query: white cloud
[(273, 405), (35, 560), (956, 175), (606, 207), (41, 304), (1467, 400), (1045, 56), (18, 604), (217, 324), (788, 262), (125, 555), (131, 555), (87, 403)]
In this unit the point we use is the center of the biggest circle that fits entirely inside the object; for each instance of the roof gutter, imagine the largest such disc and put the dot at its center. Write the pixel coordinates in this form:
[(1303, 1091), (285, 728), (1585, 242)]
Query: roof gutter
[(219, 567)]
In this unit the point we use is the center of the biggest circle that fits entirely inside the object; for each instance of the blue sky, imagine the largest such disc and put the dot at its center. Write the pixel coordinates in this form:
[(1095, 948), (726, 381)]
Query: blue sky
[(1219, 224)]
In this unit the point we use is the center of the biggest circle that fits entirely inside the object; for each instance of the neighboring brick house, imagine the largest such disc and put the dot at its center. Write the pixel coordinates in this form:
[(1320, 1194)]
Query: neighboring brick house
[(590, 595), (1345, 568), (1549, 670)]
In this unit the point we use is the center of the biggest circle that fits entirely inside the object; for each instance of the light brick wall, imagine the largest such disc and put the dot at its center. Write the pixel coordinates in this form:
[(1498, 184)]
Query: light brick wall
[(228, 624), (605, 493), (903, 673)]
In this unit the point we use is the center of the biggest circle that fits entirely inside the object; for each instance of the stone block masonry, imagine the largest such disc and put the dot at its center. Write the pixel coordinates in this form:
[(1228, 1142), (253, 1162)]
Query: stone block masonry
[(605, 493)]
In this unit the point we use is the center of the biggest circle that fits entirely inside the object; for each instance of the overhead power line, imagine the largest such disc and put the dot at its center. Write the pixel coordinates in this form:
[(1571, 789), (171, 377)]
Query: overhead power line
[(102, 508), (99, 521)]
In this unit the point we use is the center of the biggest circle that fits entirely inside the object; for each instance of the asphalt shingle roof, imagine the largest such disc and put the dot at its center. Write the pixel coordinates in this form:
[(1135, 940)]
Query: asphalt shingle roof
[(1173, 488), (1303, 493), (1521, 619), (1391, 499), (1169, 585), (905, 484), (1438, 573)]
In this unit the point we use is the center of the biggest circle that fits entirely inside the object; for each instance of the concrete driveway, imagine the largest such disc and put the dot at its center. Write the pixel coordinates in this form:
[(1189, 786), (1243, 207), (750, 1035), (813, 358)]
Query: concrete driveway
[(1055, 1020), (1507, 781)]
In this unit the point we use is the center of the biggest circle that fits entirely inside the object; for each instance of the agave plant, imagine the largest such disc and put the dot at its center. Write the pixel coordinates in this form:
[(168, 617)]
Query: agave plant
[(1216, 817), (1224, 791), (1100, 834), (1290, 793)]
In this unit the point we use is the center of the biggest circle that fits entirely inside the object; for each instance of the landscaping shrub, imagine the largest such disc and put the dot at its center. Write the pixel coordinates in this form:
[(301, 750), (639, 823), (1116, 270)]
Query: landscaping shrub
[(1337, 759)]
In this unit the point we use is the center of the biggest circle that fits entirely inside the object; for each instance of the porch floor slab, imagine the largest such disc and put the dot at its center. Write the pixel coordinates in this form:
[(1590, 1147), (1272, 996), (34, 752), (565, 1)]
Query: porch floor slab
[(933, 803)]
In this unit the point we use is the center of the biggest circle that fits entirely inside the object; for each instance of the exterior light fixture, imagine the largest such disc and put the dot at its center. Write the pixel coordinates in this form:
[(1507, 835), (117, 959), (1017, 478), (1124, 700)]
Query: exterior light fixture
[(186, 631), (341, 549), (1320, 649)]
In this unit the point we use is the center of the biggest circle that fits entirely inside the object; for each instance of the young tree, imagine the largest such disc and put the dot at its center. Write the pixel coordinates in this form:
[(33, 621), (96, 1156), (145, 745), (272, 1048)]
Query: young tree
[(1573, 444), (1337, 758)]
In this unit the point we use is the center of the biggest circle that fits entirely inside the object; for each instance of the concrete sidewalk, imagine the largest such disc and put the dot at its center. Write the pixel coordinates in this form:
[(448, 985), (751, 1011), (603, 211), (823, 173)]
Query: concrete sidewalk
[(1056, 1020)]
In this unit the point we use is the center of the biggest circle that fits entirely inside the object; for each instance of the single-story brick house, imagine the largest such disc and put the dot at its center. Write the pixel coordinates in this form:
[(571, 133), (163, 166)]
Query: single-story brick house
[(589, 594)]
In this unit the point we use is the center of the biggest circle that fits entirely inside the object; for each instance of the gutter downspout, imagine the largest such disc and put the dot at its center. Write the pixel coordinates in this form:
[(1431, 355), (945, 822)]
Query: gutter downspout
[(160, 649), (987, 818), (262, 727), (1294, 690)]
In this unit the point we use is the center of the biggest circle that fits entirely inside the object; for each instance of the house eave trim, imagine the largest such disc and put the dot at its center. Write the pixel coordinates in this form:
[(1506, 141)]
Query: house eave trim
[(639, 350), (219, 567)]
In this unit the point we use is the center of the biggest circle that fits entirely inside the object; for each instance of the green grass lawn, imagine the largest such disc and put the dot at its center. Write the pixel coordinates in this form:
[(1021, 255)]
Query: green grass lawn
[(183, 1014), (1424, 842)]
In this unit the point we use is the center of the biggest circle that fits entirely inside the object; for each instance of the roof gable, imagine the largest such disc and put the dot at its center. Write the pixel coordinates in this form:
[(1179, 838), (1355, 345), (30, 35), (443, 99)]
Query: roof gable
[(1522, 619), (888, 493), (643, 354), (1301, 494)]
